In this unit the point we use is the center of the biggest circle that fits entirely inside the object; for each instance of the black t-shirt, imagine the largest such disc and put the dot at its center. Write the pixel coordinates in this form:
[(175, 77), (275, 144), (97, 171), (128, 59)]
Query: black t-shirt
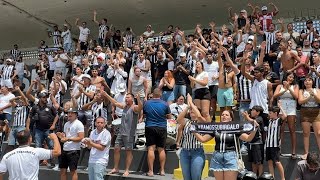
[(162, 66), (44, 116), (180, 77), (225, 142), (258, 136)]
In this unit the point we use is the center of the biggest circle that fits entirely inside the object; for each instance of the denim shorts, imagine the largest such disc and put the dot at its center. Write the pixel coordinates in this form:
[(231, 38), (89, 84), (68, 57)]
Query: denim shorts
[(167, 96), (224, 161)]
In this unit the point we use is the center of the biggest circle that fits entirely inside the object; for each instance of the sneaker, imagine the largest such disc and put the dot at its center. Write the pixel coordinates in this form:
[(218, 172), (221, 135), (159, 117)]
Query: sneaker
[(86, 169), (56, 168), (243, 149)]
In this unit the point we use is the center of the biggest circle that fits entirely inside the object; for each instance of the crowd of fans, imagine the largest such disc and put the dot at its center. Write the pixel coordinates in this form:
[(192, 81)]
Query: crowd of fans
[(117, 80)]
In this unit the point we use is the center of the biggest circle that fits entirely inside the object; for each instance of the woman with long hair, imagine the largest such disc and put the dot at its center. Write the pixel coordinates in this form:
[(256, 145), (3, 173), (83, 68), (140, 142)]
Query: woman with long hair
[(288, 93), (224, 162), (201, 92), (309, 98), (167, 84), (192, 155)]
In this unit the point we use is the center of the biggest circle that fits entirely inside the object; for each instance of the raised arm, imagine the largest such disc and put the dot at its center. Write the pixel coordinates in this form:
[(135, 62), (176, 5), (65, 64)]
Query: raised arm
[(95, 17)]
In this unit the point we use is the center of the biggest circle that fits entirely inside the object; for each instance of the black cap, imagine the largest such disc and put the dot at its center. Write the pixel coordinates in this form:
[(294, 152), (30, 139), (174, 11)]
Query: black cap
[(75, 110), (43, 94)]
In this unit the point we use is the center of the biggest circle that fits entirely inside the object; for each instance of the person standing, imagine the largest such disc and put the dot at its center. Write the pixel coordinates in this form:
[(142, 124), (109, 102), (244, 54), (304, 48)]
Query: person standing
[(156, 112), (126, 136), (84, 35), (5, 105), (61, 60), (73, 133), (99, 143), (27, 157)]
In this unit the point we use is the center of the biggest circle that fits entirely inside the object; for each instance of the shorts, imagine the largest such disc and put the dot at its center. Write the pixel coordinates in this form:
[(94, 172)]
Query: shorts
[(167, 96), (213, 91), (69, 159), (289, 107), (310, 114), (202, 94), (156, 136), (255, 153), (83, 46), (224, 161), (6, 116), (225, 97), (273, 153), (124, 141)]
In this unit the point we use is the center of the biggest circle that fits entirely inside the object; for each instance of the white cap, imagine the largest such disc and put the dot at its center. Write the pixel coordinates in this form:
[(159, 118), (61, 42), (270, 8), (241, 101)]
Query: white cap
[(9, 60), (86, 76), (264, 8), (122, 87), (183, 54)]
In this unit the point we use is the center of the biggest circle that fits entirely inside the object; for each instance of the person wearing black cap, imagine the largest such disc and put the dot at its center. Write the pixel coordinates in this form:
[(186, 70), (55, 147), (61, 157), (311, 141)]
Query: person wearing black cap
[(309, 169), (72, 135), (310, 33), (45, 118)]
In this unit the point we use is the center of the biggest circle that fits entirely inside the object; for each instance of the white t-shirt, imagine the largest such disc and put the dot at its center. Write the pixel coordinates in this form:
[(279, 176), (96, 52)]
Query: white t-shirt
[(176, 109), (84, 33), (19, 67), (59, 63), (121, 99), (103, 138), (200, 77), (23, 162), (66, 35), (5, 100), (212, 70), (148, 34), (71, 129), (52, 64)]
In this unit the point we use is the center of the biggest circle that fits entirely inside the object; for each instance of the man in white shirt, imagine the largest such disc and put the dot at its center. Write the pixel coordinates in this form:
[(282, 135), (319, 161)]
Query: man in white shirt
[(5, 105), (99, 143), (72, 135), (84, 34), (61, 60), (66, 35), (23, 162)]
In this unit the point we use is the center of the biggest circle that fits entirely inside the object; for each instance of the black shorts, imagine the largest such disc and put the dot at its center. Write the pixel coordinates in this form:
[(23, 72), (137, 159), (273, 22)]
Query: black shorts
[(273, 153), (69, 159), (255, 153), (156, 136), (202, 94), (83, 45), (213, 91)]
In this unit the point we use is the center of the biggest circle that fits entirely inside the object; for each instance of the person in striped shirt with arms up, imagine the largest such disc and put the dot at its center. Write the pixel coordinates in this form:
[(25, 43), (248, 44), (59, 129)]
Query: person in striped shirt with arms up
[(20, 120)]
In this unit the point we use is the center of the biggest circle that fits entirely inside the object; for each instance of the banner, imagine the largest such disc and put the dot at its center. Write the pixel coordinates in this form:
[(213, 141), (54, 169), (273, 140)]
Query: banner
[(222, 127)]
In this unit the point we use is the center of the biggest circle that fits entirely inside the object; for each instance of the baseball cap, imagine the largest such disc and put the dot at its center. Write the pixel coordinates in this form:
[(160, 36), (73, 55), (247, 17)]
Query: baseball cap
[(183, 54), (122, 87), (9, 60), (149, 25), (42, 94), (86, 76), (72, 110), (264, 8)]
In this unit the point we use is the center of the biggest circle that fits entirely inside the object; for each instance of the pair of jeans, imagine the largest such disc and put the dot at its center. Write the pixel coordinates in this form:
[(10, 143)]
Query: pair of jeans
[(96, 171), (40, 136), (192, 163), (12, 141), (180, 89)]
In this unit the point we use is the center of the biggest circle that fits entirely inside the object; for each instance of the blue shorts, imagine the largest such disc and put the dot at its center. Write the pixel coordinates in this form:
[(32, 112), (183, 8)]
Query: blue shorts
[(225, 97), (167, 96), (224, 161)]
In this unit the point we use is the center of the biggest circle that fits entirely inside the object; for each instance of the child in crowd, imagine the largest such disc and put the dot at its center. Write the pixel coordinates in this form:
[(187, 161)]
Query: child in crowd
[(273, 141), (256, 146)]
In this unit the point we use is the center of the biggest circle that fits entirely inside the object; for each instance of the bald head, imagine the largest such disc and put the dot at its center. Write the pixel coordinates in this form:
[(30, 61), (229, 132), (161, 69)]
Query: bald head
[(157, 93)]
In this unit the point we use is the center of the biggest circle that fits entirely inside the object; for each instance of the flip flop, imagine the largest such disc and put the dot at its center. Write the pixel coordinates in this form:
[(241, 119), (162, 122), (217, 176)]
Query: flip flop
[(113, 172), (161, 174), (149, 175)]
